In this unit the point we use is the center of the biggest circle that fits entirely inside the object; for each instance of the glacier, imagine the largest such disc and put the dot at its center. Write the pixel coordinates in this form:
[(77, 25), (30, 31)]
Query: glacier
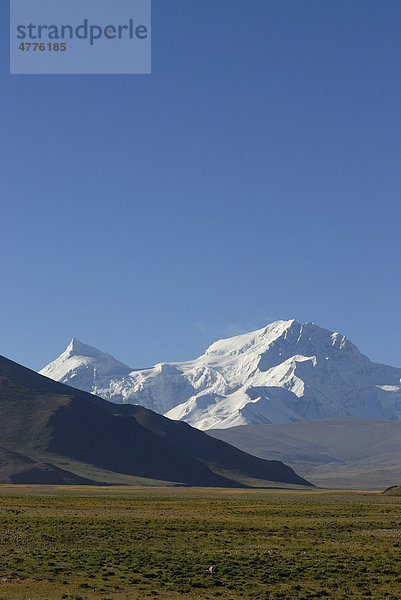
[(284, 372)]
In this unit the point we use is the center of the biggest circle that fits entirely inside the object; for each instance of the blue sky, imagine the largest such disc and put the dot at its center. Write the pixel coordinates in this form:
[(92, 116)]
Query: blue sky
[(255, 175)]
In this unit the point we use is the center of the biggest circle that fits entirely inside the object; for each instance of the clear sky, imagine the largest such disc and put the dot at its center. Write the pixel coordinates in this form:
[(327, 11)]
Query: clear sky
[(255, 175)]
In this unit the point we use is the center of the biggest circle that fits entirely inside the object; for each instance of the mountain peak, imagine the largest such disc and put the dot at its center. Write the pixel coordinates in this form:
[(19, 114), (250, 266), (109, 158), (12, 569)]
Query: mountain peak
[(246, 341), (77, 348), (81, 360), (286, 371), (74, 347)]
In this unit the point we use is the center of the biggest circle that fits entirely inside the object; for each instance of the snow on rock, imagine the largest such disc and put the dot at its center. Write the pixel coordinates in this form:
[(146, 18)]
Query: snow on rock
[(282, 373), (84, 367)]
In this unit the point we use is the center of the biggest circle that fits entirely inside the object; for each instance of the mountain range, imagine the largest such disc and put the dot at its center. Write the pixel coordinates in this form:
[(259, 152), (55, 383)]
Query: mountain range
[(286, 372), (348, 452), (53, 433)]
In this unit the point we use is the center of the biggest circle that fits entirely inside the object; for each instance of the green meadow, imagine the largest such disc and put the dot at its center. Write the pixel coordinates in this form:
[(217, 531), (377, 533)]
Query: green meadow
[(82, 543)]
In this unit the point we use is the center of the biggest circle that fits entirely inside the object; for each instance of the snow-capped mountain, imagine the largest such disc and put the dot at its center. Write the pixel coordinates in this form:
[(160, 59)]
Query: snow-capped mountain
[(282, 373)]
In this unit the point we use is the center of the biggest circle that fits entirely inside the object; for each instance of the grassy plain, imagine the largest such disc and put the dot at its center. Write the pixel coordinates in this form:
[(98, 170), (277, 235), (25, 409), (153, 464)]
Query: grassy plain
[(82, 543)]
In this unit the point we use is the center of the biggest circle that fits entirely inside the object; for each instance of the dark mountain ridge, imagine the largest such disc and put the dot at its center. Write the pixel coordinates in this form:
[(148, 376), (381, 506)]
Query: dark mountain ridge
[(52, 433)]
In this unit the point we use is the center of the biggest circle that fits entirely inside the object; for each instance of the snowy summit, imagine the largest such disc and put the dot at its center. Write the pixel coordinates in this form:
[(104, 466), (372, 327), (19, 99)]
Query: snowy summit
[(282, 373)]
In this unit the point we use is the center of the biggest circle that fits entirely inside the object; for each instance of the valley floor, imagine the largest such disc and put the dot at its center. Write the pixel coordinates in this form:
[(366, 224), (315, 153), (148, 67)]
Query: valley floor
[(82, 543)]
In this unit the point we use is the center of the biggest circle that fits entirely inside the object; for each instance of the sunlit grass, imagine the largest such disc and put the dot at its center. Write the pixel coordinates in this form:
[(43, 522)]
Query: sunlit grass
[(135, 543)]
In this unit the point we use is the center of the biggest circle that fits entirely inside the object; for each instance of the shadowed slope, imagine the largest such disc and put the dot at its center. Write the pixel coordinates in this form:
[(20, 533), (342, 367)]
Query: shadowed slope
[(45, 427), (219, 455), (17, 468), (48, 422)]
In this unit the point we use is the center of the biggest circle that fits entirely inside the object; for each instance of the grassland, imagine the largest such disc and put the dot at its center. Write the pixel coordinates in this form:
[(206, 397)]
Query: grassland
[(78, 543)]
